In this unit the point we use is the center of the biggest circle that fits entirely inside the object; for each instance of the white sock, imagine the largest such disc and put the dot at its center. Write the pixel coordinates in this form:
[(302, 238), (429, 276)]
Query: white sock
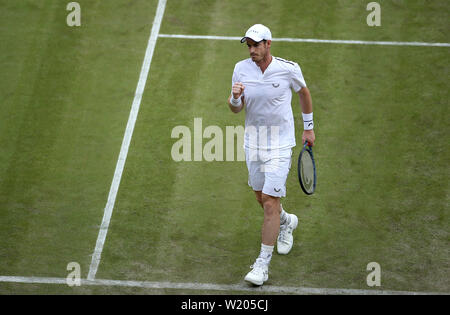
[(285, 219), (266, 253)]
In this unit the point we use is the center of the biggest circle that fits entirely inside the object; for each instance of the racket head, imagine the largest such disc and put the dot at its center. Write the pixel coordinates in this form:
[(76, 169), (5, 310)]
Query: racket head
[(306, 169)]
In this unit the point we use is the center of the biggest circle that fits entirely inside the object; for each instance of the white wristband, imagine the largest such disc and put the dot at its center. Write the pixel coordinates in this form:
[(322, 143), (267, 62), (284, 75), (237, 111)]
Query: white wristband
[(308, 123), (236, 102)]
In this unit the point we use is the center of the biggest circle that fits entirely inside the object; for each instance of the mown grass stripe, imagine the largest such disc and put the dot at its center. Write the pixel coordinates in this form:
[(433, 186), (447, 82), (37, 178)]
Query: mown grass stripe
[(126, 140)]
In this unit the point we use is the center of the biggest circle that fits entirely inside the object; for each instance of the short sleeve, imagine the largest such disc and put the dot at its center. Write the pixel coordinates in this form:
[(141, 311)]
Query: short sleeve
[(297, 80)]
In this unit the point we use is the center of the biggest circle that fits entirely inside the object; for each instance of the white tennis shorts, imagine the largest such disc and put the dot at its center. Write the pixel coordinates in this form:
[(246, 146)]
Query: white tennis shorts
[(268, 170)]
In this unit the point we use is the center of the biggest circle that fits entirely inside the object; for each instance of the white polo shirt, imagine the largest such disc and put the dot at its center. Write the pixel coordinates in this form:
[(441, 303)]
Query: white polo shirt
[(269, 122)]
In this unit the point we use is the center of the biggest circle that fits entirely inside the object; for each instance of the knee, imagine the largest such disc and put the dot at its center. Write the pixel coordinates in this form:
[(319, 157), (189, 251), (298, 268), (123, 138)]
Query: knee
[(271, 204)]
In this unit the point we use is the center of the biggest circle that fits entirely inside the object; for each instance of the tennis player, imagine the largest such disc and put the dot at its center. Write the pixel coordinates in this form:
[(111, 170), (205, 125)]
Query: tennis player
[(263, 84)]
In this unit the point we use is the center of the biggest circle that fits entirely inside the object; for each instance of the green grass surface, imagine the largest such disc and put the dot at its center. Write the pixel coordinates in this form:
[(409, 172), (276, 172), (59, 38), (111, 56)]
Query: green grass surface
[(382, 146), (66, 96)]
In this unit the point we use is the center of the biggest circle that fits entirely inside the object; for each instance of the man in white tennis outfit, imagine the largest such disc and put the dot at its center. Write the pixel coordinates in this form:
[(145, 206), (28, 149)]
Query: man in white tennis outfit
[(262, 85)]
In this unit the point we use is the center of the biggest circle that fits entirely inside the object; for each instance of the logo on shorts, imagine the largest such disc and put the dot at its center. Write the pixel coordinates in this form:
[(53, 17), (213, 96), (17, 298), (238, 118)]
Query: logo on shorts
[(277, 190), (275, 85)]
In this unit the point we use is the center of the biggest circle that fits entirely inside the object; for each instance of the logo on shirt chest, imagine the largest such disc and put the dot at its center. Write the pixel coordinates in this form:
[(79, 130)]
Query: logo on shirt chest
[(275, 85)]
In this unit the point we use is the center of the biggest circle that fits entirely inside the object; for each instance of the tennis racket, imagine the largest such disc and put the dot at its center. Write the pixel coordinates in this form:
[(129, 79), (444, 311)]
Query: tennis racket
[(307, 170)]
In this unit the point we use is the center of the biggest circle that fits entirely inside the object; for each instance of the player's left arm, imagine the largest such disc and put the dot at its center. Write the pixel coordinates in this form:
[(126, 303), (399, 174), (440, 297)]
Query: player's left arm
[(307, 108)]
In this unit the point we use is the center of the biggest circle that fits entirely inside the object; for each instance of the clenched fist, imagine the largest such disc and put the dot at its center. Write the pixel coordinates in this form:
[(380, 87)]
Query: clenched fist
[(237, 90)]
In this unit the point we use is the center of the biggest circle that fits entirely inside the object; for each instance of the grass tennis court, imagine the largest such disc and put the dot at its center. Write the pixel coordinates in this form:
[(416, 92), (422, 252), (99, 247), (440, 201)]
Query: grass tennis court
[(382, 150)]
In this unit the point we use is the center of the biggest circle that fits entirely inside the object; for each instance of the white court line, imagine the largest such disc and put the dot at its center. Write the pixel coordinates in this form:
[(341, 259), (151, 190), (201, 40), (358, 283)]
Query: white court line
[(126, 140), (269, 289), (310, 40)]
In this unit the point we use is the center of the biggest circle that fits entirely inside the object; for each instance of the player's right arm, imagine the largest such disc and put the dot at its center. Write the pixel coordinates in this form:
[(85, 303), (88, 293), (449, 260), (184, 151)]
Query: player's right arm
[(237, 103)]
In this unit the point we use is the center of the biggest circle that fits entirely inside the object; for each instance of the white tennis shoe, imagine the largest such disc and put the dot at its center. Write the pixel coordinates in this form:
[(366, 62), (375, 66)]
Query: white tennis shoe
[(259, 273), (285, 239)]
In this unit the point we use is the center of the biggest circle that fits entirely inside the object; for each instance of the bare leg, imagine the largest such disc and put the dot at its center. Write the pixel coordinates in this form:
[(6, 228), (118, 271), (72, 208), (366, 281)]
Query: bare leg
[(271, 225)]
